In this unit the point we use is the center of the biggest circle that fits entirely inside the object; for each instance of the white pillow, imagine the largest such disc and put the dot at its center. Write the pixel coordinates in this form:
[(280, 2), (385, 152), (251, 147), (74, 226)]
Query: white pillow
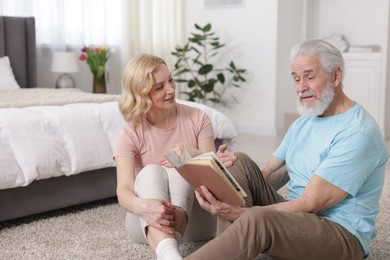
[(7, 78)]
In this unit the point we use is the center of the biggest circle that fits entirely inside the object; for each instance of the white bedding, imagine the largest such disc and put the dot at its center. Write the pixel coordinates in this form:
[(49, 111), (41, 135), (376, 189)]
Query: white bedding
[(54, 138)]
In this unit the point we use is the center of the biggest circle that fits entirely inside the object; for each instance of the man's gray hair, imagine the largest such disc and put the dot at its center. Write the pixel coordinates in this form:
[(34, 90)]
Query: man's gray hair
[(330, 56)]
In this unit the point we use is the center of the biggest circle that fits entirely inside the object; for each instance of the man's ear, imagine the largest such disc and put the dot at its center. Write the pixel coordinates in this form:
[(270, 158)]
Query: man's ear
[(337, 77)]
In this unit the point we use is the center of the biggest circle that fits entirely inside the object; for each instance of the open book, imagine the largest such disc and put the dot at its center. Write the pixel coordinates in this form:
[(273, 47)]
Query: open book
[(206, 169)]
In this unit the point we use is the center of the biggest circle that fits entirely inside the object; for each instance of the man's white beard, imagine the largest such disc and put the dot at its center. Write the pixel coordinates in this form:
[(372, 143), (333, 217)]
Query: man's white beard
[(321, 105)]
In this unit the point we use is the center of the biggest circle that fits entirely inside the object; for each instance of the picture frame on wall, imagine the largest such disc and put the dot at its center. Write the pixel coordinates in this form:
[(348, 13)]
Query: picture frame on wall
[(223, 3)]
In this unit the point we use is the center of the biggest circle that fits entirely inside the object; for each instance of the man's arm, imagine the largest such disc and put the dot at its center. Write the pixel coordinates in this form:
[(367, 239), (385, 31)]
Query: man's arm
[(275, 172), (318, 196)]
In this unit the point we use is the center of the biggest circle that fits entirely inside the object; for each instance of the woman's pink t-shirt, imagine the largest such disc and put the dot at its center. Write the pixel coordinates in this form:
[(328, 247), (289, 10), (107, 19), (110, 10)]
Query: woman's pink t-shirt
[(147, 144)]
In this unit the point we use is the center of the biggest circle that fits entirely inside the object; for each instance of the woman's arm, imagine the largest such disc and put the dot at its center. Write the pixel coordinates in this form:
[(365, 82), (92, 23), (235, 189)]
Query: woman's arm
[(205, 145), (157, 213), (227, 158), (125, 172)]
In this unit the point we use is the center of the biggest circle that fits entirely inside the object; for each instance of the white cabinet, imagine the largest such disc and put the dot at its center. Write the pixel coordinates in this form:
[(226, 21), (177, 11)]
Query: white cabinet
[(364, 82), (363, 23)]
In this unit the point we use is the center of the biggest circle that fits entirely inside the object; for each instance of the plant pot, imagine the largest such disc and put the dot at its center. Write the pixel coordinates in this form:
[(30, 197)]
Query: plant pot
[(99, 84)]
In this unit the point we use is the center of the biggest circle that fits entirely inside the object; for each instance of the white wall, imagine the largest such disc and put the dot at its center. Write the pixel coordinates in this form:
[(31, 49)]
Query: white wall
[(260, 34), (250, 34), (363, 22), (291, 29), (259, 40)]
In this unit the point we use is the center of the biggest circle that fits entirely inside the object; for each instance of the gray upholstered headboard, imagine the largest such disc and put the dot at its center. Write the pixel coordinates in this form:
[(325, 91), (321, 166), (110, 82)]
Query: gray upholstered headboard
[(17, 41)]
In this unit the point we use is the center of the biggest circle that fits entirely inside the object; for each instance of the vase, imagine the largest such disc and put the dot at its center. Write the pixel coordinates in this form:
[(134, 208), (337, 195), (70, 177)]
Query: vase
[(99, 84)]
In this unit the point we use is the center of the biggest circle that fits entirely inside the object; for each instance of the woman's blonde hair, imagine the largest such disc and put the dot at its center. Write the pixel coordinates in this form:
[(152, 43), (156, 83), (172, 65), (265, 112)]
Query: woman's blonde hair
[(137, 81)]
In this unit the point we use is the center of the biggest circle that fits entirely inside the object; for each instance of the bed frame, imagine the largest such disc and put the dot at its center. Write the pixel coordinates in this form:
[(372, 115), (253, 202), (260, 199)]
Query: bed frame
[(17, 41)]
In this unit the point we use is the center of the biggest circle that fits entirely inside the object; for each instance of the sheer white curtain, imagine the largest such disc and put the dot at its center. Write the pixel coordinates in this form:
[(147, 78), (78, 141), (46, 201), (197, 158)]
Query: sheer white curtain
[(129, 26)]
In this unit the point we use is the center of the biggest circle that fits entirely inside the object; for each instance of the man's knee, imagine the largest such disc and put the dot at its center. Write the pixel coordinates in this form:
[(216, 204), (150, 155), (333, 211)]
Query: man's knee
[(260, 217), (244, 169), (243, 157)]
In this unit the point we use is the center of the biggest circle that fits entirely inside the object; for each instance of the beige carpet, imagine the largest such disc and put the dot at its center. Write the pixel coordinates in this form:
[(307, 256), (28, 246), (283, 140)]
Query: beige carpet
[(91, 231), (95, 231)]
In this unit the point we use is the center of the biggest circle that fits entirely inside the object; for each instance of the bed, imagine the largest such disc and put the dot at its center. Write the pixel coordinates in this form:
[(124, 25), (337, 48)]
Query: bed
[(56, 145)]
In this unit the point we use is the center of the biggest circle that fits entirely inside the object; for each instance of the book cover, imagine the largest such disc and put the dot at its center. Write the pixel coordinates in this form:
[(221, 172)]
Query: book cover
[(206, 170)]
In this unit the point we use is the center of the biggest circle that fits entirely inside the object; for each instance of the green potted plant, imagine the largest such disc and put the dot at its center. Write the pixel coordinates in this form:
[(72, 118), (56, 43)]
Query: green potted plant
[(194, 67)]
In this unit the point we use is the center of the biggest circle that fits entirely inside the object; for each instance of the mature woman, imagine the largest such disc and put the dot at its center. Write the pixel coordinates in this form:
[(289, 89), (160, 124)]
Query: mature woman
[(158, 200)]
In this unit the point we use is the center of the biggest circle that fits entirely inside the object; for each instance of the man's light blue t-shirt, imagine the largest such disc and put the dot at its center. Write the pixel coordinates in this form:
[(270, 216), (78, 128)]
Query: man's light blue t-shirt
[(347, 150)]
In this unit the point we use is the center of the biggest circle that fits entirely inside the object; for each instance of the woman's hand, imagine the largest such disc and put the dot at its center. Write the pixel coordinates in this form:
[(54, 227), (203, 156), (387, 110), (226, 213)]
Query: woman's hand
[(183, 151), (226, 158), (159, 214), (208, 202)]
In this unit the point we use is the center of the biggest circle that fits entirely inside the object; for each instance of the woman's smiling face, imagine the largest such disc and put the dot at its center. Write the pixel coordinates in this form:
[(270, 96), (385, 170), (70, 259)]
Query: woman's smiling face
[(162, 93)]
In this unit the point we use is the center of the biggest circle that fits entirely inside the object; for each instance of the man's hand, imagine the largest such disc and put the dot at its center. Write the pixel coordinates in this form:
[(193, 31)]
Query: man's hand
[(208, 202), (226, 158)]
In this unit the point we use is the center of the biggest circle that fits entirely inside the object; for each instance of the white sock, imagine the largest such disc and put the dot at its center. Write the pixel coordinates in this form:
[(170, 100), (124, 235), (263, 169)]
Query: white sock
[(168, 249)]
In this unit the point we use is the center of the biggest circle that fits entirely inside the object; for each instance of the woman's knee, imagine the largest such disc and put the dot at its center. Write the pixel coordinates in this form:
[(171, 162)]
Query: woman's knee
[(151, 179), (151, 170), (151, 173)]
